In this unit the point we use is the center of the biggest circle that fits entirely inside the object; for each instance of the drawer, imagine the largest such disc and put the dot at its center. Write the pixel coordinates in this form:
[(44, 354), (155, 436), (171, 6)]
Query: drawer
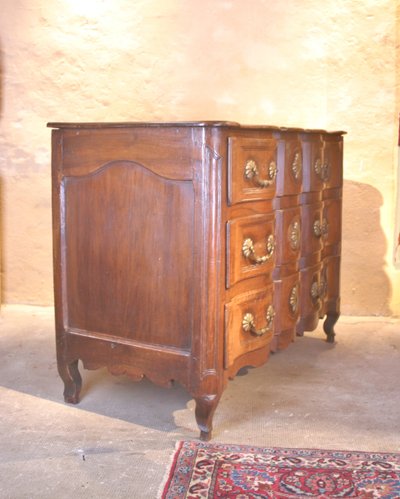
[(331, 170), (263, 168), (286, 302), (286, 305), (249, 323), (290, 166), (252, 169), (288, 235), (314, 228), (331, 221), (314, 174), (321, 225), (250, 247), (312, 290), (322, 163)]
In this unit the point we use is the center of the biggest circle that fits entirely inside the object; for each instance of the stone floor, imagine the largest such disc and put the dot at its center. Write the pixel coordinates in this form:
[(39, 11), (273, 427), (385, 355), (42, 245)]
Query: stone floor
[(118, 441)]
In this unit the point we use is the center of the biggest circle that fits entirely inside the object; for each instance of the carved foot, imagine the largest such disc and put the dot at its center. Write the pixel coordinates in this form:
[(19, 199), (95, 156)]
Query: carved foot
[(205, 408), (330, 321), (72, 381)]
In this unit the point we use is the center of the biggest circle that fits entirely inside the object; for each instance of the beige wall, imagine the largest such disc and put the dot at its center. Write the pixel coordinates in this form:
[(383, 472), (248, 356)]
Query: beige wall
[(330, 64)]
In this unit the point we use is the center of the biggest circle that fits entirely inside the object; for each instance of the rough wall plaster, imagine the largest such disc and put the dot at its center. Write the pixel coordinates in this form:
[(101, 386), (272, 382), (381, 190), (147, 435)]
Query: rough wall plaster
[(331, 64)]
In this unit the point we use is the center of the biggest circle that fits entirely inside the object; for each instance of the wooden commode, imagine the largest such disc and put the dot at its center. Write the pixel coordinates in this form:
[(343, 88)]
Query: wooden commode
[(186, 251)]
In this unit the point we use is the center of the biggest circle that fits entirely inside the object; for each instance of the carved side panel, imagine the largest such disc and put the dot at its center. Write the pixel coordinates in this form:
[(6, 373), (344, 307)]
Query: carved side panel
[(128, 254)]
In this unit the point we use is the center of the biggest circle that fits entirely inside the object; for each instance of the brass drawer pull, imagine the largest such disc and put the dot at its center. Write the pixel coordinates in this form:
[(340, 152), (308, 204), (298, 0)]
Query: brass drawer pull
[(251, 172), (321, 229), (297, 166), (248, 322), (318, 290), (294, 299), (249, 251), (294, 235), (322, 170)]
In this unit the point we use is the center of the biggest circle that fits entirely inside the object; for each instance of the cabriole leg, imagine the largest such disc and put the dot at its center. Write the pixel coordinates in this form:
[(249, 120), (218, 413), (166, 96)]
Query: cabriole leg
[(72, 381), (330, 321), (205, 408)]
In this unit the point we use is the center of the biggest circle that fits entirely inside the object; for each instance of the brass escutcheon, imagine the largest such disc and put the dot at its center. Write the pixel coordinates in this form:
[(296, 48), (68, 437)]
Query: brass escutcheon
[(322, 170), (294, 299), (321, 229), (294, 235), (297, 165), (318, 289)]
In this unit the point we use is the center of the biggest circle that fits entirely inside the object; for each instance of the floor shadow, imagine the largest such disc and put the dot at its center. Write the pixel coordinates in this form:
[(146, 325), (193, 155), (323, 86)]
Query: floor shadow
[(365, 289), (29, 366)]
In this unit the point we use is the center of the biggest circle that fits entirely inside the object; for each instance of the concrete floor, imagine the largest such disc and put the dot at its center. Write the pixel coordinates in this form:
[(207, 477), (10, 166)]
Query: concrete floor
[(118, 441)]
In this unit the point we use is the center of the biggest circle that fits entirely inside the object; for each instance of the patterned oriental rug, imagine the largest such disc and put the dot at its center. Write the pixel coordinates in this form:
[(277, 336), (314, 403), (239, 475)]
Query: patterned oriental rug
[(203, 470)]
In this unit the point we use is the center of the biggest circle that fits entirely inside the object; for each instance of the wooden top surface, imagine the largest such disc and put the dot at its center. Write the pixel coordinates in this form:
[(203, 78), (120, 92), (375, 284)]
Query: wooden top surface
[(198, 124)]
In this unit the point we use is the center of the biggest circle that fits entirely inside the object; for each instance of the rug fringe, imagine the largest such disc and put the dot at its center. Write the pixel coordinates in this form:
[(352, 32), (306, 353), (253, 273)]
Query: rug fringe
[(170, 469)]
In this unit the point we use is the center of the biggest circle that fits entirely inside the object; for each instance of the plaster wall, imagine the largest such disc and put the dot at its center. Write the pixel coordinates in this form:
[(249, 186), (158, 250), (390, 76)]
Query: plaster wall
[(332, 64)]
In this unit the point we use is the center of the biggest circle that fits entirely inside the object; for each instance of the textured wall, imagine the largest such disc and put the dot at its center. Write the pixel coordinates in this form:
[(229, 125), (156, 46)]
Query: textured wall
[(330, 64)]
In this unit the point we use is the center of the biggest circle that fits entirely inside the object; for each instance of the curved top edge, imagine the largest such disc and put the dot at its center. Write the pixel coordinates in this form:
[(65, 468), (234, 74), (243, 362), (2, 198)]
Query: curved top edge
[(199, 124)]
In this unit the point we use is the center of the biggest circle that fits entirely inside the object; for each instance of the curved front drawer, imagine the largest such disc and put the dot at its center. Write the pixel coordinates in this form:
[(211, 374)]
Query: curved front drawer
[(313, 228), (312, 290), (251, 247), (322, 162), (249, 323), (288, 235), (252, 169), (332, 217)]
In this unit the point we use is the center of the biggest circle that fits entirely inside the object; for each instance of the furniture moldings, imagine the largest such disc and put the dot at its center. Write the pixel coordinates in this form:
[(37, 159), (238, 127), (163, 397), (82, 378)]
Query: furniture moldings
[(187, 251)]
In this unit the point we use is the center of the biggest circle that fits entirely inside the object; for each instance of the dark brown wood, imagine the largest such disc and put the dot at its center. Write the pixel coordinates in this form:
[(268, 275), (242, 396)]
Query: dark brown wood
[(152, 275)]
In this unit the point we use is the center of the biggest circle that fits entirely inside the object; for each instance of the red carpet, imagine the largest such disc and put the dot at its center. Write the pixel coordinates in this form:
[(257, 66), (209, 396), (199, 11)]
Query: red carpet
[(204, 470)]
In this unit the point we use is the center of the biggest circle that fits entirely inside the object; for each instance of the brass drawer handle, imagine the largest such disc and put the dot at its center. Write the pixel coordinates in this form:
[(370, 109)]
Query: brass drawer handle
[(297, 165), (251, 172), (318, 290), (294, 299), (322, 170), (249, 251), (321, 229), (294, 235), (248, 322)]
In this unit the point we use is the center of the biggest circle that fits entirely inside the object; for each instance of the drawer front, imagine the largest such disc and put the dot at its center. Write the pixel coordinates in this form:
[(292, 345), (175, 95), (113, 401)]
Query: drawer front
[(322, 163), (288, 235), (312, 291), (331, 221), (251, 247), (321, 225), (313, 228), (313, 177), (249, 323), (252, 169), (331, 163), (290, 166), (286, 302)]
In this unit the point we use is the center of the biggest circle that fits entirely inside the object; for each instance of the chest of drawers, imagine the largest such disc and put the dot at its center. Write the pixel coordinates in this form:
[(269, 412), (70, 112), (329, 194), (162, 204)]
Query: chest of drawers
[(186, 251)]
